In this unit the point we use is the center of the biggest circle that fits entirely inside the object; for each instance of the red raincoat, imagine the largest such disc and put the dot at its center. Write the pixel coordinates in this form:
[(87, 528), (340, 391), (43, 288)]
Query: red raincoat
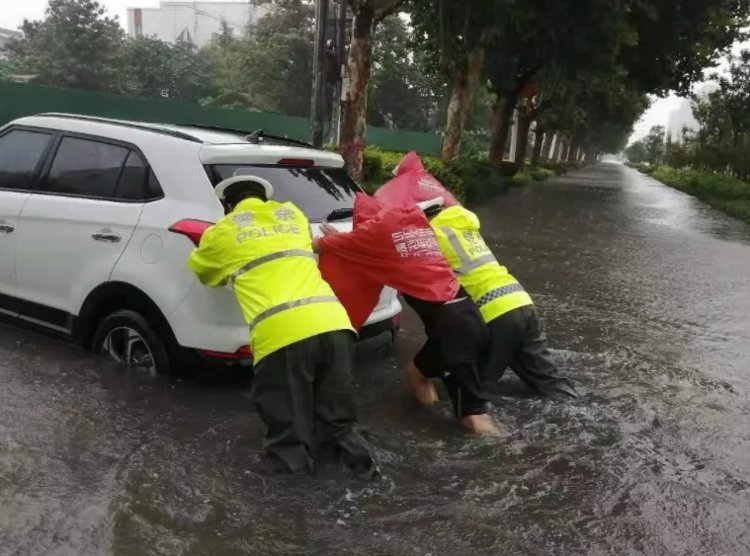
[(412, 185), (388, 247)]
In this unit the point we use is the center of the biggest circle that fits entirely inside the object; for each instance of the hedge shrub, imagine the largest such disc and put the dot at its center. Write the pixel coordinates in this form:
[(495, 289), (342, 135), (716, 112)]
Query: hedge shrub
[(558, 168), (643, 168), (725, 192), (372, 166), (541, 174), (508, 169), (695, 181), (467, 179), (478, 180), (522, 178)]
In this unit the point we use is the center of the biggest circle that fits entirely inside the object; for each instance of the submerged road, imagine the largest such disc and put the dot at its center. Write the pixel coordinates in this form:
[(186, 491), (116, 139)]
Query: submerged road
[(646, 297)]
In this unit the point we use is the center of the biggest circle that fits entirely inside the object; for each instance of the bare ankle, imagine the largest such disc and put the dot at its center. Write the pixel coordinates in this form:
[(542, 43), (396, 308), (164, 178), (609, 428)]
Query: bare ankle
[(482, 424), (422, 389)]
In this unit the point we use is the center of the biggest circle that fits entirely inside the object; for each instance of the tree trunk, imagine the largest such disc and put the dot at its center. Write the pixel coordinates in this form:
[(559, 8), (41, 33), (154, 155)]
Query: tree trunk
[(558, 147), (354, 123), (539, 138), (464, 85), (522, 137), (547, 151), (573, 153), (562, 152), (503, 116)]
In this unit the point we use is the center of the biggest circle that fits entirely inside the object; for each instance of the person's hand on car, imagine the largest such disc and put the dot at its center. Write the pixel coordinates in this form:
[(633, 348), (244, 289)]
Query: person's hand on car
[(327, 230)]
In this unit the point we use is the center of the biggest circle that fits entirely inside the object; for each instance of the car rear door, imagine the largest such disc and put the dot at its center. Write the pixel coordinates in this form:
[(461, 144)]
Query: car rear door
[(77, 226), (21, 155)]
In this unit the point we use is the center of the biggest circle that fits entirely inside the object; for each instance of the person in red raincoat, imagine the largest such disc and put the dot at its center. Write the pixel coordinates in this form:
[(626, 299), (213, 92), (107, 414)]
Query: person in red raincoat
[(396, 247), (412, 184), (517, 336)]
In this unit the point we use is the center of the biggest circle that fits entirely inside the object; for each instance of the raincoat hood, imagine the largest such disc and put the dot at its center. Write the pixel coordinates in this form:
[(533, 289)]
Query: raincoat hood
[(410, 163), (389, 246), (412, 184)]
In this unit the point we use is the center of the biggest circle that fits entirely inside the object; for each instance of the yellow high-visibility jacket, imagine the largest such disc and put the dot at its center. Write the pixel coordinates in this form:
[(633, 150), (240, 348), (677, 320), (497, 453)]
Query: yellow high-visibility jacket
[(494, 290), (264, 251)]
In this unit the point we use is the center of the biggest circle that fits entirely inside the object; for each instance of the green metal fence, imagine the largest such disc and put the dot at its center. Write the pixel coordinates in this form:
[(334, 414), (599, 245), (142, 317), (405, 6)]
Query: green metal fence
[(18, 99)]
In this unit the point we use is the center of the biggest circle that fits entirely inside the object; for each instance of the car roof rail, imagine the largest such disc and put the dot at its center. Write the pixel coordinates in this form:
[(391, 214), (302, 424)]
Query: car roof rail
[(254, 135), (143, 126)]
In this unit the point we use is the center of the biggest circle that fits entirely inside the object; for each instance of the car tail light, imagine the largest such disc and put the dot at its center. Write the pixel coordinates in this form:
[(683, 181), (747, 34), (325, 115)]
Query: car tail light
[(192, 229), (305, 162), (243, 353)]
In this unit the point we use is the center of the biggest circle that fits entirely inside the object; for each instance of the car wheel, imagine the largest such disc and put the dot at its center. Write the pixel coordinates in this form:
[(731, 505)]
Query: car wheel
[(128, 338)]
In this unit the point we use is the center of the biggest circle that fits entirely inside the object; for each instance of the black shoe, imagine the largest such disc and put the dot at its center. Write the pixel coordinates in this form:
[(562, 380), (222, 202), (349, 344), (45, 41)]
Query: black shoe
[(369, 471), (361, 464)]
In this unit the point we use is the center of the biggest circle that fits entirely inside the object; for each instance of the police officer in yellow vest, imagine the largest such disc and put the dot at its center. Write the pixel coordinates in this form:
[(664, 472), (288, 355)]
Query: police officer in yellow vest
[(516, 335), (300, 335)]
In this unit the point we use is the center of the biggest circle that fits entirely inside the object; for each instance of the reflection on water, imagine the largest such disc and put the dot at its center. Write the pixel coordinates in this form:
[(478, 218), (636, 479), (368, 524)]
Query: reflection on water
[(646, 297)]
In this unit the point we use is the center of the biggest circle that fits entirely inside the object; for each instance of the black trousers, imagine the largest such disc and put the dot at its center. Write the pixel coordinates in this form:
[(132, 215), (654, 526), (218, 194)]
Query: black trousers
[(455, 343), (517, 340), (303, 395)]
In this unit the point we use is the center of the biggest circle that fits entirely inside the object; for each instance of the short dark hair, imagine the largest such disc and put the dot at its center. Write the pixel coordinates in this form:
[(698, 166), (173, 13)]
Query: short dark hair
[(238, 192), (433, 211)]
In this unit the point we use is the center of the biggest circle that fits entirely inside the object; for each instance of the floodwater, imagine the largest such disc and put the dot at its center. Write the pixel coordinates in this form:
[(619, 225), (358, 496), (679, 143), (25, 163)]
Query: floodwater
[(646, 297)]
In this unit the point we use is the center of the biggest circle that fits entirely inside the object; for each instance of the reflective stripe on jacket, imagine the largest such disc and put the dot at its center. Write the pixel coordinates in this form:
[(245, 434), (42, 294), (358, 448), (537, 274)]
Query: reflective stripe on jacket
[(493, 289), (264, 251)]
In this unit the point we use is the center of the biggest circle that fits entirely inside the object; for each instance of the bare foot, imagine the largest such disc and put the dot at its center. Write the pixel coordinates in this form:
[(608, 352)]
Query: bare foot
[(482, 424), (420, 386)]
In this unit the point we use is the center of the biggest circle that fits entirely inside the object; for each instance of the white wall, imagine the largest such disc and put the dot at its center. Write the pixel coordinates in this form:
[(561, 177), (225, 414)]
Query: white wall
[(681, 117), (7, 35), (201, 20)]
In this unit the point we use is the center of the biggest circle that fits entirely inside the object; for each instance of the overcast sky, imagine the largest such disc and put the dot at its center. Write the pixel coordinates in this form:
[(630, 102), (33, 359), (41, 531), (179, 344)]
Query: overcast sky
[(13, 12)]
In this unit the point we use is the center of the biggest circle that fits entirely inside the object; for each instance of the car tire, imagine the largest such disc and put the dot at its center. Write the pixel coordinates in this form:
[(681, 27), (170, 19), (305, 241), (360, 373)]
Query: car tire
[(130, 339)]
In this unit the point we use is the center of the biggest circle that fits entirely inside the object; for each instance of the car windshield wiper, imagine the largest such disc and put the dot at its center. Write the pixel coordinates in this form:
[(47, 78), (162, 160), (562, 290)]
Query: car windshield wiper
[(339, 214)]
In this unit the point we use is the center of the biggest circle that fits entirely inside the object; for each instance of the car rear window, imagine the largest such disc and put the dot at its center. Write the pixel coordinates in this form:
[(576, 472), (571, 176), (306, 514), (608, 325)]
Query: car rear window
[(85, 167), (100, 170), (315, 191)]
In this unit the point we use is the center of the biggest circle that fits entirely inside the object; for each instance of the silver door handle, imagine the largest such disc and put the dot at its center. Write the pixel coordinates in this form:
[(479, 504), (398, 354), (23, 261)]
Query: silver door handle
[(106, 236), (6, 228)]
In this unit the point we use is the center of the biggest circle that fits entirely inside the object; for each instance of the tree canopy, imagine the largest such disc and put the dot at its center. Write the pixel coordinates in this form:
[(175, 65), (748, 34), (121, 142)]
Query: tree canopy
[(722, 142), (402, 95), (75, 45), (579, 70)]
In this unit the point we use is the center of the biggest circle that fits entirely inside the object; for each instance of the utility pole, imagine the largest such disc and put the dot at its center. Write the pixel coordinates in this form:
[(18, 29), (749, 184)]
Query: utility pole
[(339, 93), (317, 108)]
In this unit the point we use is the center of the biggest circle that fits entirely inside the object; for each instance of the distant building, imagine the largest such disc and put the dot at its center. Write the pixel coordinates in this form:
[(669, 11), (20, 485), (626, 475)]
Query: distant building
[(681, 118), (7, 35), (194, 22)]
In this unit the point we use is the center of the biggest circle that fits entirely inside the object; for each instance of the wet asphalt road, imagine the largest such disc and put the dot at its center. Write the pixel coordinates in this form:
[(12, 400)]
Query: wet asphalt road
[(646, 296)]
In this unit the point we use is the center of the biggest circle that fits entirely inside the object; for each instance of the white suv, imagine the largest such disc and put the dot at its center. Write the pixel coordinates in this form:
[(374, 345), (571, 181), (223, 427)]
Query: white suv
[(97, 218)]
